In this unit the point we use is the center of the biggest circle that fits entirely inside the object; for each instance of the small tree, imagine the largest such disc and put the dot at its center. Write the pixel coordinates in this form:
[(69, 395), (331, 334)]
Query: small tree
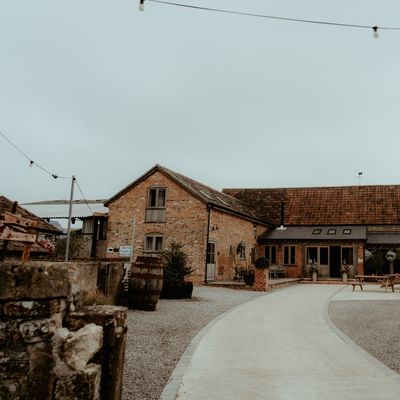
[(175, 265)]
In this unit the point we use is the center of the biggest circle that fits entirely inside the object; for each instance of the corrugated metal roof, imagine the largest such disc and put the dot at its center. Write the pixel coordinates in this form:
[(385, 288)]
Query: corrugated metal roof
[(59, 209)]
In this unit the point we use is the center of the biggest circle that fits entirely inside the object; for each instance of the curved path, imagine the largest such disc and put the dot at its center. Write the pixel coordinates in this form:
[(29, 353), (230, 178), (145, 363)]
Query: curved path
[(283, 346)]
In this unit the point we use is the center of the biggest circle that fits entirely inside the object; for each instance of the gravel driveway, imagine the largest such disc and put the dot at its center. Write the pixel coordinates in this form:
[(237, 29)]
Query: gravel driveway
[(373, 324), (156, 340)]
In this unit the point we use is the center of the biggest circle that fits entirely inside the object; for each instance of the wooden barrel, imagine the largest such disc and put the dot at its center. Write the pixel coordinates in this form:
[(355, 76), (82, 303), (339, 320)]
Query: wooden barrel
[(145, 283)]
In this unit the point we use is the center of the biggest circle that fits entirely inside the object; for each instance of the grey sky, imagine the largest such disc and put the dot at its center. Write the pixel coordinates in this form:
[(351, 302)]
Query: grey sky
[(97, 89)]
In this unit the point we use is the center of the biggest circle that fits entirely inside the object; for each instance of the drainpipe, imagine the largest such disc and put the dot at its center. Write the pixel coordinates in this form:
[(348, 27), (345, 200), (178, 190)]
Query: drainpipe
[(208, 238)]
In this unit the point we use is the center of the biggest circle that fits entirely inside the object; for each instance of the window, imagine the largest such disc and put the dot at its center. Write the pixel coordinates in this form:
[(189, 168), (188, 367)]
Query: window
[(347, 255), (324, 255), (155, 211), (316, 231), (318, 254), (156, 198), (270, 254), (331, 231), (211, 253), (346, 231), (289, 255), (153, 243), (312, 255)]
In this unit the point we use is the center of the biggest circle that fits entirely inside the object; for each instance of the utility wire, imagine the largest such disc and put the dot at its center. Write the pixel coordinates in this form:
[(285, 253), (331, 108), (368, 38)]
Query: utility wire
[(44, 169), (31, 162), (306, 21), (79, 188)]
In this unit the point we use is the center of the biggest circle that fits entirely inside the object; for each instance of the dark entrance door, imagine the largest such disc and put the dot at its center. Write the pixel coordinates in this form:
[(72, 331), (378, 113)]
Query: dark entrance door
[(334, 262)]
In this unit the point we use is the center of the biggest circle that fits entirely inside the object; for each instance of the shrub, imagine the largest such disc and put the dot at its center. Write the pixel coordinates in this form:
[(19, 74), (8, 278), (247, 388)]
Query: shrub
[(261, 262), (95, 298), (175, 265)]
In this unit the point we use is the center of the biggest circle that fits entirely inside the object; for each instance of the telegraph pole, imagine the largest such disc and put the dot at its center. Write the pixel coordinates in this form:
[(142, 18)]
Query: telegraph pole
[(69, 218)]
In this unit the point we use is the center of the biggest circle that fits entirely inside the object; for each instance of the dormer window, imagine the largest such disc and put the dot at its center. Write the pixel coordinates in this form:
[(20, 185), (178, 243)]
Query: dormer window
[(156, 200)]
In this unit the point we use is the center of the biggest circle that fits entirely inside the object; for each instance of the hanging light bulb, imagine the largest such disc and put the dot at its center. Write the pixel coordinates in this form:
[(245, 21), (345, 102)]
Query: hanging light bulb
[(141, 5), (376, 33)]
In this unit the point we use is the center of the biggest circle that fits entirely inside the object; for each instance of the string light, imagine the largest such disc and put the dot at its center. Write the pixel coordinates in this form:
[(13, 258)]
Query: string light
[(141, 5), (274, 17), (31, 162)]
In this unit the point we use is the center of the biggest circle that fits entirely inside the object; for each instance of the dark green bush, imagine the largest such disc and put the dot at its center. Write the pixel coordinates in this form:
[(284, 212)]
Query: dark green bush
[(175, 265)]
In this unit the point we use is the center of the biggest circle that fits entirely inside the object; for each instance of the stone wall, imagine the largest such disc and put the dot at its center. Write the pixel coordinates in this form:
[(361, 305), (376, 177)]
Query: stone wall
[(48, 350)]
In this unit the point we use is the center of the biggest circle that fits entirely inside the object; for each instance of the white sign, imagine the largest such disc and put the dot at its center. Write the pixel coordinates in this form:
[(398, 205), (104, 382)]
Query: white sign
[(125, 251)]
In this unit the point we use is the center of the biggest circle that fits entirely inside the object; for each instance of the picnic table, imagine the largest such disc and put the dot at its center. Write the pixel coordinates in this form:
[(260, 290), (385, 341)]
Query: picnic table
[(276, 271), (385, 280)]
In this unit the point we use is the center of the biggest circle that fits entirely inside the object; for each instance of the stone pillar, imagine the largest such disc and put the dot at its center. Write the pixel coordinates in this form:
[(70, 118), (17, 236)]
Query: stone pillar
[(40, 359), (111, 355), (33, 303), (261, 277)]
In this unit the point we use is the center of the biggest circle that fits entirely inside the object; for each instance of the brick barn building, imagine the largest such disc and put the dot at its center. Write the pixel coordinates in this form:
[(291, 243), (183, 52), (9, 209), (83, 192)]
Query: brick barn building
[(218, 231), (331, 225), (222, 231)]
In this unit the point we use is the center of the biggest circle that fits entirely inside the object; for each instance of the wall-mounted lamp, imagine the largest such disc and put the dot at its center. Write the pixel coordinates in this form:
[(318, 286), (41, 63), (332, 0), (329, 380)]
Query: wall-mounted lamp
[(214, 227)]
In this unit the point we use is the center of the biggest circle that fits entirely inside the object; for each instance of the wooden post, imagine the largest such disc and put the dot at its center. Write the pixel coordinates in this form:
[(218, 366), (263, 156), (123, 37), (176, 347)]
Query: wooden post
[(5, 243), (26, 252)]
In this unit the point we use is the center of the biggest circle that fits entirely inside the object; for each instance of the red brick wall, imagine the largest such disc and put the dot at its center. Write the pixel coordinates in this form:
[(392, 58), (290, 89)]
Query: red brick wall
[(186, 221), (227, 230)]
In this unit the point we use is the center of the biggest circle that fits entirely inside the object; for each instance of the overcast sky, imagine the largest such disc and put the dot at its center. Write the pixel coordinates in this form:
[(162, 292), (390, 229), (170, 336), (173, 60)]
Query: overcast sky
[(98, 89)]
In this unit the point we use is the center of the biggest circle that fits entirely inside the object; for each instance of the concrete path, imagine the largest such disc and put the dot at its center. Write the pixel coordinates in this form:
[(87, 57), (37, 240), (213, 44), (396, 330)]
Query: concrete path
[(281, 346)]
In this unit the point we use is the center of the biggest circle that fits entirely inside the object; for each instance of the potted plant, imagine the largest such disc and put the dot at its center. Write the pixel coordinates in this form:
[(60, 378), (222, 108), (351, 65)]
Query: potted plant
[(344, 269), (314, 270), (175, 271), (248, 277), (261, 262)]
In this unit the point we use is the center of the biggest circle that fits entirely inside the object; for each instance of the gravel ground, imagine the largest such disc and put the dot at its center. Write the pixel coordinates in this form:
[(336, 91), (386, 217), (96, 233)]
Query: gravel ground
[(156, 340), (373, 324)]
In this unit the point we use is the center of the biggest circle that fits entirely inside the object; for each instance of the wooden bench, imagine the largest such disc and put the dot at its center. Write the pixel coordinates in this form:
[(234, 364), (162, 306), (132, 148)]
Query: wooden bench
[(354, 284), (275, 271), (390, 281)]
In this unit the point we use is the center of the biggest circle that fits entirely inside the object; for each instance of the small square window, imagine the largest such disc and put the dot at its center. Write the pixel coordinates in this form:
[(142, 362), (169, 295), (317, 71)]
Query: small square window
[(346, 231), (316, 232), (331, 231)]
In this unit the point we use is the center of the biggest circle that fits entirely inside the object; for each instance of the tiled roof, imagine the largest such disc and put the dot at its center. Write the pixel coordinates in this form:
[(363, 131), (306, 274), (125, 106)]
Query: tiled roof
[(204, 193), (346, 205), (43, 226)]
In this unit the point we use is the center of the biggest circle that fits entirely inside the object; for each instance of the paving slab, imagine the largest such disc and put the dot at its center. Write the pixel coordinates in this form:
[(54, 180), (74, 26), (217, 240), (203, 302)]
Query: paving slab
[(280, 346)]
